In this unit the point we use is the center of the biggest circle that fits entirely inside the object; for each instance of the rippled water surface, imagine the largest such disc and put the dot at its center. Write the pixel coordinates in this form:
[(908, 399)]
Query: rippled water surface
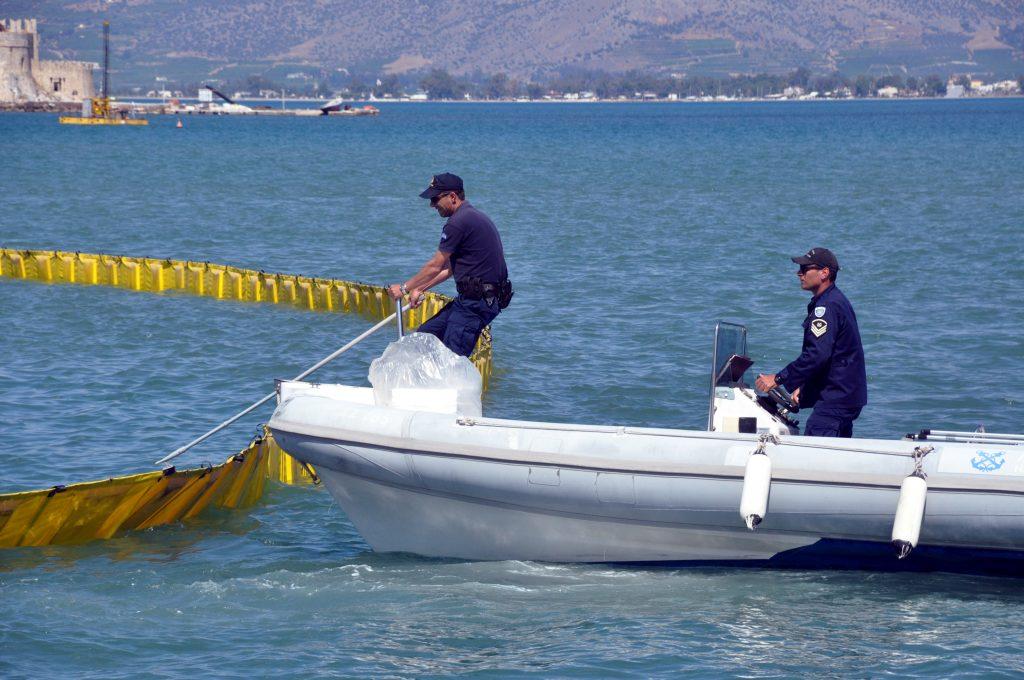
[(629, 230)]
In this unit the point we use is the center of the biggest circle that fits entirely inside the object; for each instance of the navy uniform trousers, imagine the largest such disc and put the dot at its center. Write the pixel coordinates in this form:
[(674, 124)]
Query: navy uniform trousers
[(831, 421), (460, 322)]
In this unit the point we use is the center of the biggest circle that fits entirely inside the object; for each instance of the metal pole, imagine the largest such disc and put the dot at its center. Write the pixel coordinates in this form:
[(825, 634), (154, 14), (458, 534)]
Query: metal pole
[(401, 321), (975, 435), (714, 369), (326, 360), (106, 59)]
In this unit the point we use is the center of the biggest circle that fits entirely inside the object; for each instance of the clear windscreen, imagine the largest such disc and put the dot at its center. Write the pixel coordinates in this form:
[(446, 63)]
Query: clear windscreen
[(730, 340)]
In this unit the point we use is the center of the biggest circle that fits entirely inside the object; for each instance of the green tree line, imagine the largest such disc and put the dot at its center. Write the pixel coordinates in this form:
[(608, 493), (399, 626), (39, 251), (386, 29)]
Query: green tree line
[(440, 84)]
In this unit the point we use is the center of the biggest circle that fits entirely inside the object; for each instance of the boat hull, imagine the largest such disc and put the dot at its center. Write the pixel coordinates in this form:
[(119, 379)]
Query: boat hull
[(445, 486), (443, 525), (439, 526)]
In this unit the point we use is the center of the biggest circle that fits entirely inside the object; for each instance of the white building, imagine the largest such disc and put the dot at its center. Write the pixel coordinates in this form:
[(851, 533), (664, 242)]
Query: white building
[(1002, 87)]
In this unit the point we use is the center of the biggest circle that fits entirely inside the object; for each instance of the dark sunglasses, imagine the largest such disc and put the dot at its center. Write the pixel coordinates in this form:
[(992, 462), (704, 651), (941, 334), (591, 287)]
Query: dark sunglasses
[(804, 268), (435, 199)]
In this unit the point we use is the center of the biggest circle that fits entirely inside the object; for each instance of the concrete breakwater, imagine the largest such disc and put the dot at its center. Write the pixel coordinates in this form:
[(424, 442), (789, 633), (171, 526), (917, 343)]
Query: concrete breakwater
[(41, 107), (248, 111)]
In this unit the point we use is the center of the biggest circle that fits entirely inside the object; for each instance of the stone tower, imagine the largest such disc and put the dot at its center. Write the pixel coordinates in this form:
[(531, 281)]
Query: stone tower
[(17, 55), (24, 77)]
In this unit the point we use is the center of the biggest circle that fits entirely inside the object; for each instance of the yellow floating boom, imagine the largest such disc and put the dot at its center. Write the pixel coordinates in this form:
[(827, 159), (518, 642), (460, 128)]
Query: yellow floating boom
[(93, 510), (83, 512), (225, 282)]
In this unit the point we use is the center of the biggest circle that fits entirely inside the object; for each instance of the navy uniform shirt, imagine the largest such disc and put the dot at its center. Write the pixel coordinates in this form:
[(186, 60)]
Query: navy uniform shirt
[(830, 369), (473, 243)]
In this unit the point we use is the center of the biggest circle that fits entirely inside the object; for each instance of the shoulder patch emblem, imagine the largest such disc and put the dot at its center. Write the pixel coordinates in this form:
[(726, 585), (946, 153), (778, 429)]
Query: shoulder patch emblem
[(819, 327), (819, 312)]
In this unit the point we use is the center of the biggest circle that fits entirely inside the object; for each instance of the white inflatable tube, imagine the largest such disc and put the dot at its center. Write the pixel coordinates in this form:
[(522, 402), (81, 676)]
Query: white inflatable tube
[(906, 527), (757, 481)]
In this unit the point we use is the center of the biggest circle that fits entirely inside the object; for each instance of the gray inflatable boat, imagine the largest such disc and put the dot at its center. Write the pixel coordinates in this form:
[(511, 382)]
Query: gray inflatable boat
[(417, 477)]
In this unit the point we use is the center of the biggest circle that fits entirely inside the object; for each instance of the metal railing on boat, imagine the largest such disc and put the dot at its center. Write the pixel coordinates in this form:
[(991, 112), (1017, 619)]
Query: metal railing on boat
[(963, 437)]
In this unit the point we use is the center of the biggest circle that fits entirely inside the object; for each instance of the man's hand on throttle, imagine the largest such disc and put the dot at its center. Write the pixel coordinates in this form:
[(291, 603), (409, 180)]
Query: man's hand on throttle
[(395, 291), (416, 298), (765, 382)]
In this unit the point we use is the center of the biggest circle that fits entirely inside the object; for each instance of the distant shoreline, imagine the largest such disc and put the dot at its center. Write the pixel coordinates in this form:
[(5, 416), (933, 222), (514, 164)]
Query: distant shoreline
[(736, 100), (374, 102), (73, 107), (362, 102)]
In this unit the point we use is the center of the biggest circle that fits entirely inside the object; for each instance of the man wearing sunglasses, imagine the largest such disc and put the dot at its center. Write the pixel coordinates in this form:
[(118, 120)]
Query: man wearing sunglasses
[(471, 251), (829, 374)]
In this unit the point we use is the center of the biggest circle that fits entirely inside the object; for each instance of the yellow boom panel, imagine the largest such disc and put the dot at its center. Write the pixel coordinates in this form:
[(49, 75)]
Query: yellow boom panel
[(83, 512), (100, 509)]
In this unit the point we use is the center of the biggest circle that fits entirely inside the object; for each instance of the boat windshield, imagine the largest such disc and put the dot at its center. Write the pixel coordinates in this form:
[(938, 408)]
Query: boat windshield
[(730, 342), (729, 362)]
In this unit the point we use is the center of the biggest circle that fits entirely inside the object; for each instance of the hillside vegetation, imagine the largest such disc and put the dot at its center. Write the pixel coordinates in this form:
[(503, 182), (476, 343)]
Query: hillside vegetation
[(527, 38)]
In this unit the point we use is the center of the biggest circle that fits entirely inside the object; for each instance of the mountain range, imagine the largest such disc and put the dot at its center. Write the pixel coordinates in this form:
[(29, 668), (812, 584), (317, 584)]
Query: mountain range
[(529, 39)]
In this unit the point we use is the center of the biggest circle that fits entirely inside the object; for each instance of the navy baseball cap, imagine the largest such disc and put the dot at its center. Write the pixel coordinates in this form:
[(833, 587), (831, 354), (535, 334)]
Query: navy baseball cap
[(819, 257), (443, 183)]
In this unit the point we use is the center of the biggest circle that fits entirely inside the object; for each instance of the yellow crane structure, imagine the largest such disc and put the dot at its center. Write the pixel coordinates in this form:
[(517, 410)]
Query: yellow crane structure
[(100, 112)]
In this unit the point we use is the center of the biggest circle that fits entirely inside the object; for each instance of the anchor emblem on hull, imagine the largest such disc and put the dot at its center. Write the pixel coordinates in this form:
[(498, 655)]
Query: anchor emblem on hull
[(988, 462)]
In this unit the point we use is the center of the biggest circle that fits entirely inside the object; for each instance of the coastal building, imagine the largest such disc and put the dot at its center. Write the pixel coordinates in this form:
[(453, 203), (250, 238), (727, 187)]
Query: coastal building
[(1001, 87), (889, 91), (24, 77)]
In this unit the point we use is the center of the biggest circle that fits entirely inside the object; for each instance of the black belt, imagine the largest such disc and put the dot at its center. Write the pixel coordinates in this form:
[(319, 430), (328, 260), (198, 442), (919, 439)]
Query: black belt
[(473, 288)]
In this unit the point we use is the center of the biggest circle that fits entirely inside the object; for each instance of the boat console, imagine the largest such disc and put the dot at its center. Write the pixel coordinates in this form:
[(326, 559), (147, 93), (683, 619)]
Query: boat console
[(735, 406)]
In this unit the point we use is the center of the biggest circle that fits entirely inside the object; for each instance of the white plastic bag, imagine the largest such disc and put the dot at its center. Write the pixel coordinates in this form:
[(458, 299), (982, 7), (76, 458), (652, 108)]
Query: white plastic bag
[(422, 362)]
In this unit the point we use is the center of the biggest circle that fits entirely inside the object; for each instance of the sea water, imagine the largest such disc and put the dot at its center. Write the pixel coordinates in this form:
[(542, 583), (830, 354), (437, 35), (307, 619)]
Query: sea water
[(629, 230)]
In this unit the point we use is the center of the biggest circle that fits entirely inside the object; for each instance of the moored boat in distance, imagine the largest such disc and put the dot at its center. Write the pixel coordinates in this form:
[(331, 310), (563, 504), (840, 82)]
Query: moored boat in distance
[(417, 477)]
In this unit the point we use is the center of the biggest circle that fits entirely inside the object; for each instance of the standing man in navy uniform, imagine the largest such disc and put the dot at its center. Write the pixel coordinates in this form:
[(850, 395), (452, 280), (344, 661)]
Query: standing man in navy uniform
[(829, 374), (471, 251)]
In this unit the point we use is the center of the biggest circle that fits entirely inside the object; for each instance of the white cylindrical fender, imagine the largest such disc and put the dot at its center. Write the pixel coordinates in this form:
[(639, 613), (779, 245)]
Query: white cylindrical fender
[(906, 527), (757, 482)]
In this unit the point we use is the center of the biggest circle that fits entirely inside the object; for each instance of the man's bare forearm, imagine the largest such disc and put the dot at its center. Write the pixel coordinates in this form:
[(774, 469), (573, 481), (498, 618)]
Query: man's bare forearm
[(442, 275), (436, 270), (425, 276)]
